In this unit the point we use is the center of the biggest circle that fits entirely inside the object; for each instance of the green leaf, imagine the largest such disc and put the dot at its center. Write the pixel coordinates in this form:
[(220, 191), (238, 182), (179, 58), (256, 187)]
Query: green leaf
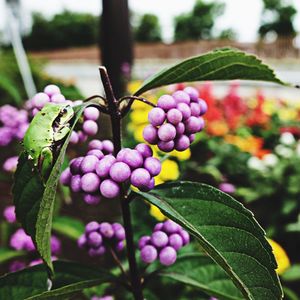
[(226, 231), (8, 254), (292, 273), (33, 283), (68, 226), (35, 202), (220, 64), (202, 272)]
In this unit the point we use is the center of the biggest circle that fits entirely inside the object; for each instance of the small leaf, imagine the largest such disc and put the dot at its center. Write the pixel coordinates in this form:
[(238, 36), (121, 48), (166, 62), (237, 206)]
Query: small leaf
[(202, 272), (8, 254), (292, 273), (35, 202), (68, 226), (226, 231), (220, 64), (33, 282)]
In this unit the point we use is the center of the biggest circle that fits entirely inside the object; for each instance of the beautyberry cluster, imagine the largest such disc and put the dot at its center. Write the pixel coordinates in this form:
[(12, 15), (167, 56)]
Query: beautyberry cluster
[(52, 94), (167, 238), (97, 237), (13, 124), (175, 120), (100, 173)]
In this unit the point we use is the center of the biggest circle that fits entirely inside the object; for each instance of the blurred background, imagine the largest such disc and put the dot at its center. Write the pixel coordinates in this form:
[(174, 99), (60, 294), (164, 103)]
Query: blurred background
[(250, 147)]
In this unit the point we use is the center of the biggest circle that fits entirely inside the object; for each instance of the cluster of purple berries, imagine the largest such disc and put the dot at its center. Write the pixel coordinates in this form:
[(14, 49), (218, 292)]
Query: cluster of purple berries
[(100, 173), (97, 237), (167, 238), (13, 124), (52, 94), (175, 120)]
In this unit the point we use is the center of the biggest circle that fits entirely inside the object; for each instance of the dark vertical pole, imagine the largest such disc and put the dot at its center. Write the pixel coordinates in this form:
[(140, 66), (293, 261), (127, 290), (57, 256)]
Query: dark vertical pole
[(116, 43)]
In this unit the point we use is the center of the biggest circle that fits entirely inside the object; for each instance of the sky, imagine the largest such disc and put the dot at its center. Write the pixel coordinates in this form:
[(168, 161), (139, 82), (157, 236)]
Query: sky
[(241, 15)]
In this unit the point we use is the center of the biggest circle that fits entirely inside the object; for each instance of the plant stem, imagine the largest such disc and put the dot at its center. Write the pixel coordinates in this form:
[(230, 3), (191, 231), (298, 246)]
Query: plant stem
[(115, 117)]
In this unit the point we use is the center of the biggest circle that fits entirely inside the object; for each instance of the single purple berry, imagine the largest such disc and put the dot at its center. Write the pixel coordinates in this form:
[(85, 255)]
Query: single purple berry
[(81, 242), (133, 159), (150, 134), (158, 227), (74, 139), (159, 239), (227, 187), (192, 137), (180, 128), (185, 236), (120, 246), (97, 252), (65, 177), (144, 149), (82, 136), (182, 143), (106, 230), (94, 239), (51, 89), (90, 127), (89, 163), (166, 102), (9, 214), (174, 116), (195, 109), (156, 116), (95, 144), (192, 92), (75, 183), (193, 125), (55, 245), (140, 178), (104, 165), (91, 226), (148, 254), (175, 241), (40, 99), (167, 256), (185, 110), (58, 98), (153, 165), (109, 188), (98, 153), (16, 266), (91, 113), (181, 97), (166, 132), (108, 146), (143, 241), (119, 172), (90, 182), (166, 146), (203, 107), (75, 165), (119, 231), (171, 227), (91, 199)]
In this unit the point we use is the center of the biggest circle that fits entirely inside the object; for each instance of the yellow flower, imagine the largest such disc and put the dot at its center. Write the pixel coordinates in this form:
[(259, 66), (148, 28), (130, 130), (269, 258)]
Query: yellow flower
[(269, 107), (286, 114), (156, 213), (281, 257), (181, 155), (133, 86), (169, 170), (139, 116)]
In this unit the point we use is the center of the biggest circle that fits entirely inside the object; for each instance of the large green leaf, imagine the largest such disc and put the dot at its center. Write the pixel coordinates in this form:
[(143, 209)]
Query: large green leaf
[(35, 202), (68, 226), (225, 230), (220, 64), (201, 272), (8, 254), (33, 283)]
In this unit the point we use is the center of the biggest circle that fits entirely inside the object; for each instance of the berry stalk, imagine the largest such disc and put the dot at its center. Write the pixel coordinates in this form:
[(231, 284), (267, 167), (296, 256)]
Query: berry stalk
[(115, 116)]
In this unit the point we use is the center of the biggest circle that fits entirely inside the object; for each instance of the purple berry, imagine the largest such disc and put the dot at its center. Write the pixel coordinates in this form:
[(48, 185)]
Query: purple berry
[(104, 165), (91, 199), (167, 256), (185, 110), (153, 165), (180, 128), (51, 89), (158, 227), (140, 178), (40, 99), (143, 241), (144, 149), (90, 182), (195, 109), (108, 146), (90, 127), (150, 134), (119, 231), (95, 144), (159, 239), (91, 226), (133, 159), (120, 246), (182, 143), (119, 172), (174, 116), (74, 139), (203, 107), (98, 153), (181, 97), (58, 98), (166, 102), (9, 214), (91, 113), (192, 92), (166, 132), (65, 177), (88, 164), (55, 245), (166, 146), (106, 230), (97, 252), (75, 165), (185, 236), (75, 183), (192, 137), (148, 254), (171, 227), (156, 116), (175, 241), (81, 242), (109, 188), (193, 125)]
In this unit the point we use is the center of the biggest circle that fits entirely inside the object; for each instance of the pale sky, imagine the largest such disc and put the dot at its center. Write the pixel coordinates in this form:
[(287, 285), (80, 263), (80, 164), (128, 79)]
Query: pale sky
[(241, 15)]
